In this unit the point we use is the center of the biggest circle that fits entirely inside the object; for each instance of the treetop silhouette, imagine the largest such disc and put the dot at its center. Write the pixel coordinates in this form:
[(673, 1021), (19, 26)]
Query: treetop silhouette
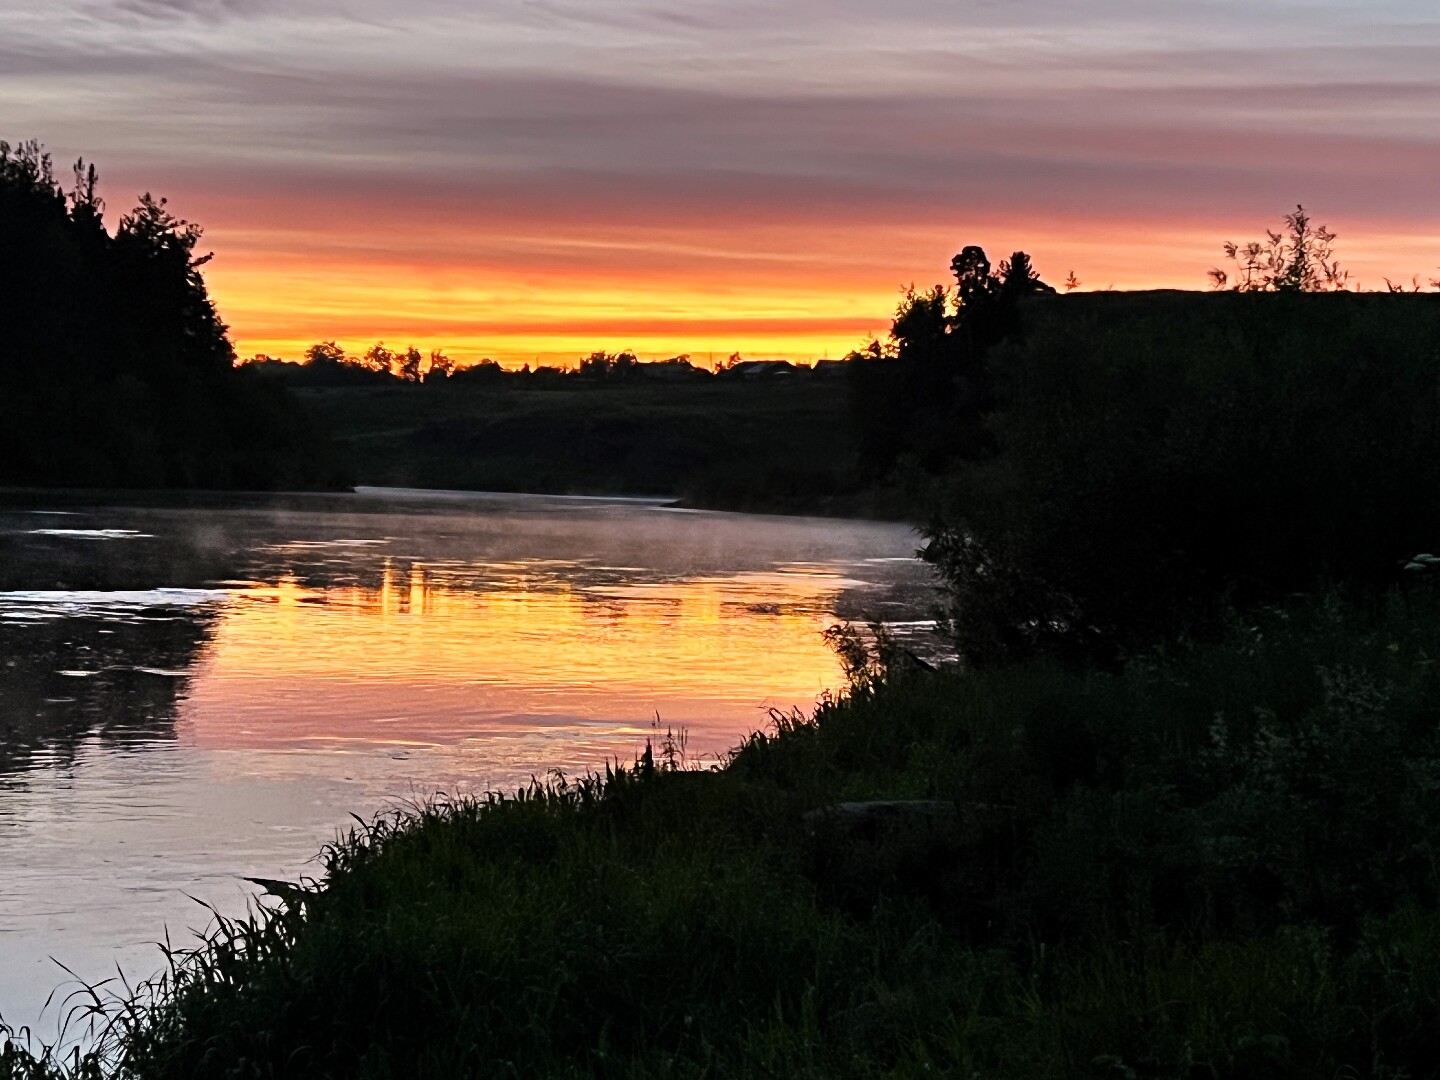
[(1300, 259), (118, 370)]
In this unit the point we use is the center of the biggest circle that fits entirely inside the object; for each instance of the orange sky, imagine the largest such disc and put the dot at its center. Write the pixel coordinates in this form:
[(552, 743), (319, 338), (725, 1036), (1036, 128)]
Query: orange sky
[(756, 303), (535, 179), (796, 290)]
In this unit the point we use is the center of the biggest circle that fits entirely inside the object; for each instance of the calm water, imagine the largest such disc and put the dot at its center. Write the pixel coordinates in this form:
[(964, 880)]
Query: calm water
[(194, 694)]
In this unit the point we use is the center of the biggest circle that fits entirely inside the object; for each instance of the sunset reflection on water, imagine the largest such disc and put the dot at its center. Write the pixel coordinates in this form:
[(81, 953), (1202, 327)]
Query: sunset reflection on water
[(200, 692), (588, 655)]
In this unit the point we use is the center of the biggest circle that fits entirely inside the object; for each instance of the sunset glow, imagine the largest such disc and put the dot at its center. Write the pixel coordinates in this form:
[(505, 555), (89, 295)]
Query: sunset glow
[(532, 181), (293, 666)]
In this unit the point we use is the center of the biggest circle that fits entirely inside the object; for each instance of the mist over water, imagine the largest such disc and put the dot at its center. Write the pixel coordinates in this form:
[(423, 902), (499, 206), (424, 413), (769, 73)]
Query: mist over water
[(195, 692)]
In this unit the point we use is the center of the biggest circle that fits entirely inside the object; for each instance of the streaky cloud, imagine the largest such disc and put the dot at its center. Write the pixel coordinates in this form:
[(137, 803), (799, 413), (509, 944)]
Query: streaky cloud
[(689, 136), (171, 11)]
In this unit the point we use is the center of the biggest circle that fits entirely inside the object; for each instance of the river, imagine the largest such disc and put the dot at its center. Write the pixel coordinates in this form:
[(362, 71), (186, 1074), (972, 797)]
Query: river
[(195, 690)]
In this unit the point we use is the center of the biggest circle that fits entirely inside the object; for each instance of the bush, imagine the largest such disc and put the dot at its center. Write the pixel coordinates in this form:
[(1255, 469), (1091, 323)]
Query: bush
[(1164, 457), (116, 369)]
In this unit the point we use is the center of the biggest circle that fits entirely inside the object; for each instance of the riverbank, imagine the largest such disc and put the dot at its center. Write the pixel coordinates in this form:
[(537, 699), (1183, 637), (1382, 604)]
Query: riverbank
[(782, 446), (1215, 862)]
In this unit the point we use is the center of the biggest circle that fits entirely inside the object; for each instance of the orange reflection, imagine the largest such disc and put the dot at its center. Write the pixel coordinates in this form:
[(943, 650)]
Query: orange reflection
[(421, 661)]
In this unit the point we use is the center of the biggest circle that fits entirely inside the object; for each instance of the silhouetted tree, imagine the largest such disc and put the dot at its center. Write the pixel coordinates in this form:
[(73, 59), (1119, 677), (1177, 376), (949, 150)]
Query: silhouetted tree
[(117, 369), (325, 352), (922, 324), (379, 358), (163, 282), (595, 366), (408, 364), (86, 206), (327, 364), (1019, 278), (440, 367), (1300, 259), (924, 393), (603, 365), (972, 275)]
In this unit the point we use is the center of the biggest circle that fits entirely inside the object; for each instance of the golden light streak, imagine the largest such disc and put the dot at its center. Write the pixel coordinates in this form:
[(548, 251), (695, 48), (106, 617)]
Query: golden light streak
[(415, 662)]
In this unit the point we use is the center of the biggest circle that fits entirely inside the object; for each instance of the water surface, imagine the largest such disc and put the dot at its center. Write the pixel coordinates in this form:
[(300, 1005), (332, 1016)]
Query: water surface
[(196, 691)]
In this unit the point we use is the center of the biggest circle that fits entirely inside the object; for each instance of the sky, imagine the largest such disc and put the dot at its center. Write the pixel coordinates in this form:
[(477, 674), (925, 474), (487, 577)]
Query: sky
[(531, 180)]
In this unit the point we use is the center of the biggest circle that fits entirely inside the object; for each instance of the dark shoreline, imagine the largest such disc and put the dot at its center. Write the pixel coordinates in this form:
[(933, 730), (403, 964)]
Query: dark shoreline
[(16, 497)]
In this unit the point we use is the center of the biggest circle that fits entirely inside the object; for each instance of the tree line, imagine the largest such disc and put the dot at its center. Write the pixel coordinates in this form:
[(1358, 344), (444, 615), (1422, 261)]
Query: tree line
[(328, 364), (116, 368), (1117, 469), (921, 395)]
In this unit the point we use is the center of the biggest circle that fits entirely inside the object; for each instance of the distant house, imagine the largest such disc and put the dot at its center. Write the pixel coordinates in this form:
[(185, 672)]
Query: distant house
[(759, 369), (676, 369), (484, 370), (829, 369)]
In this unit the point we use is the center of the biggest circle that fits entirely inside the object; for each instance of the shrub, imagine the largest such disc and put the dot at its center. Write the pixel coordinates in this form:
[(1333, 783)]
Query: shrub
[(1164, 457)]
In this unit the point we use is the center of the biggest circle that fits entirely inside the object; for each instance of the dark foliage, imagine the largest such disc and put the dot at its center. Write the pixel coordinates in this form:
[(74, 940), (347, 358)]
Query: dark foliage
[(115, 369), (1298, 260), (1163, 456), (923, 394), (765, 445)]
